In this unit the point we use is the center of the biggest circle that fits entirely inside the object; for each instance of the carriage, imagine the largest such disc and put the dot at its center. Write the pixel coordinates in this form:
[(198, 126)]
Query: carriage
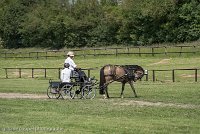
[(77, 88), (87, 88)]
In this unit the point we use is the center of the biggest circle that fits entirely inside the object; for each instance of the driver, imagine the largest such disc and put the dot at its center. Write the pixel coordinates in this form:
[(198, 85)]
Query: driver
[(70, 61), (73, 66)]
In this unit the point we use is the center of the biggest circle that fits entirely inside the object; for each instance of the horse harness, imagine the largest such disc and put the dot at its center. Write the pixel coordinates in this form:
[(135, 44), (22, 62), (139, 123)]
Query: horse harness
[(129, 71)]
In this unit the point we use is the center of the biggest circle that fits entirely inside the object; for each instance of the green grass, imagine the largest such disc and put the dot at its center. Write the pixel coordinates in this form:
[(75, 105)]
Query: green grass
[(114, 115), (23, 86), (96, 116), (103, 116), (177, 92)]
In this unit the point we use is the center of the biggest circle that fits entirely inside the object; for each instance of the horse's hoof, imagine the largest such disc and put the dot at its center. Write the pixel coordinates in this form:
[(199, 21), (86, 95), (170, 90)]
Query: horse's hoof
[(104, 96)]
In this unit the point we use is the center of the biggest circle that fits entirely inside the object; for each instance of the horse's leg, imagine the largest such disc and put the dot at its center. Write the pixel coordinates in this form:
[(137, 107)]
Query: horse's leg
[(106, 96), (106, 90), (131, 83), (108, 81), (123, 85)]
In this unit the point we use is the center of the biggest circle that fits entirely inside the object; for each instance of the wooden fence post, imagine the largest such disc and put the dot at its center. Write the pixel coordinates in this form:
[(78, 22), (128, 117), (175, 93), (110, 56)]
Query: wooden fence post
[(45, 73), (165, 50), (37, 55), (147, 77), (153, 75), (195, 75), (84, 54), (128, 51), (152, 50), (181, 51), (20, 73), (173, 75), (6, 72), (195, 49), (89, 73), (139, 51), (58, 73), (46, 55), (94, 52), (116, 52), (32, 72), (5, 55)]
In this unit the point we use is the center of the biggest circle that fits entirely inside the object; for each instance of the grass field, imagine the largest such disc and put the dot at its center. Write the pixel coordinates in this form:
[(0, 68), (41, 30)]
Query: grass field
[(162, 107), (95, 116)]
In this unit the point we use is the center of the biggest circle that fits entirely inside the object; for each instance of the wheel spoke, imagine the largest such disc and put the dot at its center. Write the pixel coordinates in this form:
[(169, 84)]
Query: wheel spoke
[(53, 93)]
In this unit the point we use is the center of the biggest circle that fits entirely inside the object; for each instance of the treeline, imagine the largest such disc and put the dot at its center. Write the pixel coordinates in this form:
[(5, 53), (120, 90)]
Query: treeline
[(92, 23)]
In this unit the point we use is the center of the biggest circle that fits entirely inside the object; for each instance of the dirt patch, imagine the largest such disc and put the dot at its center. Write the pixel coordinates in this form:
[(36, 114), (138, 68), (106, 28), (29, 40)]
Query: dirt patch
[(164, 61), (189, 75), (22, 96), (156, 104), (124, 103)]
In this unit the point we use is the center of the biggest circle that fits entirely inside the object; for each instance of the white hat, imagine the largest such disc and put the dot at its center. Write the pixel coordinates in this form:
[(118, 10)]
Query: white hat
[(70, 53)]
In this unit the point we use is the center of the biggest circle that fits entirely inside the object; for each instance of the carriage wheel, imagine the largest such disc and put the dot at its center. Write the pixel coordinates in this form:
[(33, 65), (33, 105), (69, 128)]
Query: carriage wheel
[(67, 92), (88, 91), (53, 93), (77, 92)]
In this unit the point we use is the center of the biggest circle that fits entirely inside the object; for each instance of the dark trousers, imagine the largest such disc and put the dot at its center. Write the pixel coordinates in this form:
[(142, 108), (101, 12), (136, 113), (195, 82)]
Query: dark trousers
[(82, 75)]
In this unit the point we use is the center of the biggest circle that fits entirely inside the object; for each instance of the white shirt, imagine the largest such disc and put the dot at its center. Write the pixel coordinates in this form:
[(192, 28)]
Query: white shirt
[(65, 75), (71, 63)]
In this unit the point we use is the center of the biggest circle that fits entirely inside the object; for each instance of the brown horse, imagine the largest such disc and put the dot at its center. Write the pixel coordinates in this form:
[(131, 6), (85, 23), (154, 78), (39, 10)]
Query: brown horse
[(119, 73)]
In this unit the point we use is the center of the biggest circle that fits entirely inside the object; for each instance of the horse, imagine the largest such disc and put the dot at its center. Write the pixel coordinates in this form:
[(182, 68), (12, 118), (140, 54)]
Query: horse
[(120, 73)]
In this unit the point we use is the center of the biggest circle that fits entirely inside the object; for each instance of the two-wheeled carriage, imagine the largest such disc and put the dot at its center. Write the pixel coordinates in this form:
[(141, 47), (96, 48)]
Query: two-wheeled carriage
[(77, 88)]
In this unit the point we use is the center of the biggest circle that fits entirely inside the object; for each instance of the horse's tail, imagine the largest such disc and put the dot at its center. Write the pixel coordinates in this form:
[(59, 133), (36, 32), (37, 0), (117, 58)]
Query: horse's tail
[(102, 81)]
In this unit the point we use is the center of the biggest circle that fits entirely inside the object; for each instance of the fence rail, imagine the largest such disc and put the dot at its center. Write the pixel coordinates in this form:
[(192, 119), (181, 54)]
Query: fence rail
[(152, 73), (173, 73), (44, 71), (158, 50)]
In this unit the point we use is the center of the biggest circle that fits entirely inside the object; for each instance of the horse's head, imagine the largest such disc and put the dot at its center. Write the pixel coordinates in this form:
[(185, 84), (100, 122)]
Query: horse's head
[(139, 73)]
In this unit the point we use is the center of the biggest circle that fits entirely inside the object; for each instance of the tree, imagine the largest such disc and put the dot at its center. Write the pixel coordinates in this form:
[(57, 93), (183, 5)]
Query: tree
[(83, 23), (10, 22)]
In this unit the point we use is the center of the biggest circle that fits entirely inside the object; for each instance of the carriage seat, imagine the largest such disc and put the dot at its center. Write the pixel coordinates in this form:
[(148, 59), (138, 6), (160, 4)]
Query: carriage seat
[(54, 84), (65, 83), (74, 76), (78, 76)]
